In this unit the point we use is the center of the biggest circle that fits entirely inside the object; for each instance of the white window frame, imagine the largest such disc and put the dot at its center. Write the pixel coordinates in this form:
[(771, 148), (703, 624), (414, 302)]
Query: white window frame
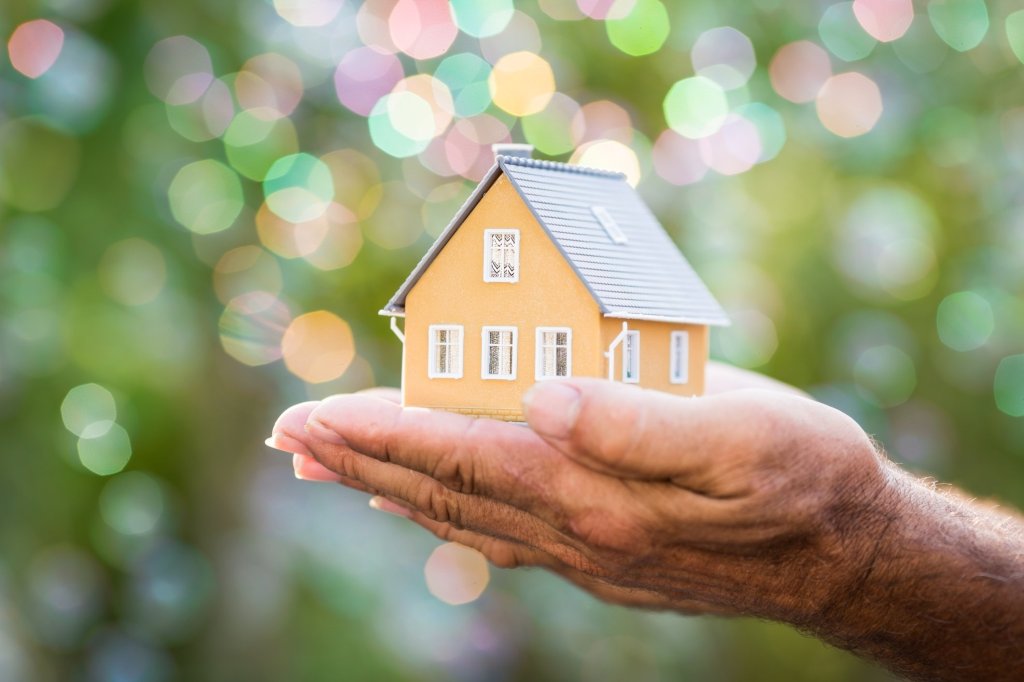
[(456, 372), (487, 255), (485, 353), (539, 352), (679, 373), (628, 360)]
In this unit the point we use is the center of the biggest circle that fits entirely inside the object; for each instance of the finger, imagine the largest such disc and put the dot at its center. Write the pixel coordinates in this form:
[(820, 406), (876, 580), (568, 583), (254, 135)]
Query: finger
[(635, 433), (429, 496), (386, 392), (478, 457), (722, 378), (500, 552), (291, 420), (506, 554)]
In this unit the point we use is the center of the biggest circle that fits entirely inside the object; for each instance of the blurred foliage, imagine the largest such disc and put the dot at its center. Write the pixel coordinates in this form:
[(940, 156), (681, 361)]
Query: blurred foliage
[(203, 205)]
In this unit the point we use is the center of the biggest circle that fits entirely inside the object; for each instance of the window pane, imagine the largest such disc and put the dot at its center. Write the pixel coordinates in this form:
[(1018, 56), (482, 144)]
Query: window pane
[(562, 368)]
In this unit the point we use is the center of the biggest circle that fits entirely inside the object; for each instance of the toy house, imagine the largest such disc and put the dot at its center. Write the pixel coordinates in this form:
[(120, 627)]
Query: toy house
[(549, 270)]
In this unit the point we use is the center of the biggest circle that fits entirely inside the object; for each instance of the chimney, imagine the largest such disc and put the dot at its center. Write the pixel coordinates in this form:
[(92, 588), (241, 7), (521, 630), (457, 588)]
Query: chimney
[(522, 151)]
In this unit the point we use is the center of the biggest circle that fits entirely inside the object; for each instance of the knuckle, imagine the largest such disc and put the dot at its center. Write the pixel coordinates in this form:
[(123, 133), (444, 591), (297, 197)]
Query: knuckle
[(456, 469), (621, 433), (439, 504)]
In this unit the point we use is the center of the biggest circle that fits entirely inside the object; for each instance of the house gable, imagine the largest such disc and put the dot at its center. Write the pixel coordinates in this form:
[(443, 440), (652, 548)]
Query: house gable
[(453, 291)]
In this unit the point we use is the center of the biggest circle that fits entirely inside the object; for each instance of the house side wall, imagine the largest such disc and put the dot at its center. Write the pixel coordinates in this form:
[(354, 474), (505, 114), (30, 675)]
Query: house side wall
[(452, 291), (655, 360)]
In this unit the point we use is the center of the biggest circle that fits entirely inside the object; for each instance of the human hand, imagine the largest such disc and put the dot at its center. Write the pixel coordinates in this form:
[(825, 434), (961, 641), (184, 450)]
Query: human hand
[(746, 501)]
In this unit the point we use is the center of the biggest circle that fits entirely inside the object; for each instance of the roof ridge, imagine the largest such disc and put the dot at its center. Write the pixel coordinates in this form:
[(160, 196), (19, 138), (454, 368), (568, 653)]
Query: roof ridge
[(557, 166)]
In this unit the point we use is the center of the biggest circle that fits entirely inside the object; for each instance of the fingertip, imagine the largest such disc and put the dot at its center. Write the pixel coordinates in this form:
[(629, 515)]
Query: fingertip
[(308, 469), (293, 418), (551, 408)]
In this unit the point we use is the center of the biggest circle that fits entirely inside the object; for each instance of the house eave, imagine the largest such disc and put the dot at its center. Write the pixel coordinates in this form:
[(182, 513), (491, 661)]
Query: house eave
[(391, 312), (710, 321)]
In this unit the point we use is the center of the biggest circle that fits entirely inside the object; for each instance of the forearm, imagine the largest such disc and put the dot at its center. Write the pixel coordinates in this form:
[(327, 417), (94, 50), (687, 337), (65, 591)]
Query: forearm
[(940, 595)]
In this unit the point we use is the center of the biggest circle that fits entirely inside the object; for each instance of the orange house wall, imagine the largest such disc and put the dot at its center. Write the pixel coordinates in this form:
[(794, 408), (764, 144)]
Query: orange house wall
[(548, 294), (453, 291), (655, 360)]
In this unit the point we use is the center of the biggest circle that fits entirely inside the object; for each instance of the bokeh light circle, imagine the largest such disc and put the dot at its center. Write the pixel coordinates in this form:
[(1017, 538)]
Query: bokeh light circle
[(886, 244), (298, 187), (724, 55), (254, 141), (1008, 386), (422, 29), (965, 320), (178, 70), (677, 159), (466, 75), (695, 107), (962, 24), (206, 196), (307, 13), (456, 574), (363, 76), (849, 104), (642, 31), (522, 83), (885, 375), (107, 453), (610, 155), (88, 410), (843, 35), (252, 326), (798, 70), (482, 18), (884, 20), (318, 347), (34, 47)]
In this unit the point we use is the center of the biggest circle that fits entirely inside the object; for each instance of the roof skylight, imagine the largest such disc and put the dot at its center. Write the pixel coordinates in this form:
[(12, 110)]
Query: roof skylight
[(615, 232)]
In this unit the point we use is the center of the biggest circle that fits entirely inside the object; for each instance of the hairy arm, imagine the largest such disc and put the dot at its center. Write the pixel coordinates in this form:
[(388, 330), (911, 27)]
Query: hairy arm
[(755, 502), (942, 597)]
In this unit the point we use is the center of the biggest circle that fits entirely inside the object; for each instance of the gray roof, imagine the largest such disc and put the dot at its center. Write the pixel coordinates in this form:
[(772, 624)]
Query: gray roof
[(645, 278)]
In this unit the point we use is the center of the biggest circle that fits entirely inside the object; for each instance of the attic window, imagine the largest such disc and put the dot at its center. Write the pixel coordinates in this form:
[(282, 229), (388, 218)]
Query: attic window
[(501, 255), (615, 232)]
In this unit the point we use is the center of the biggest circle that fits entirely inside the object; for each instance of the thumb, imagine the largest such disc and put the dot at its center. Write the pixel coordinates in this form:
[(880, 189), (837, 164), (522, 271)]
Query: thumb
[(618, 429)]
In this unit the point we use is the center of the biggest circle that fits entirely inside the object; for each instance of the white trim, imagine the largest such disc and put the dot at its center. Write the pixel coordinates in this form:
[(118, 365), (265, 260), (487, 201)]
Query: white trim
[(538, 370), (675, 320), (610, 353), (384, 312), (397, 332), (485, 353), (679, 373), (635, 336), (432, 346), (487, 255)]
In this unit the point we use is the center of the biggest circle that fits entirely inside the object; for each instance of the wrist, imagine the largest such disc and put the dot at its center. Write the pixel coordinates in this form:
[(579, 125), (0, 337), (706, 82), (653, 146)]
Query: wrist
[(859, 539)]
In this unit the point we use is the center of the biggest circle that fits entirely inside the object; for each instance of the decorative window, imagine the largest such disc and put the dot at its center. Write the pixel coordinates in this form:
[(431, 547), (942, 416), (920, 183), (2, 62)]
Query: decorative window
[(606, 220), (498, 359), (631, 358), (445, 352), (501, 255), (554, 352), (679, 358)]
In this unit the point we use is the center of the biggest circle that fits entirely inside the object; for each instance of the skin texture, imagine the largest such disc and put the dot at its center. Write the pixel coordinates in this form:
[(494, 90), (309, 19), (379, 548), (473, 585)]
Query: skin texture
[(754, 500)]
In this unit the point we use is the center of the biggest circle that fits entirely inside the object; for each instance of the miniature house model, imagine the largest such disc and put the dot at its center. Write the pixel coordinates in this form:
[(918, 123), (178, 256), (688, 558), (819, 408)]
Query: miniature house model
[(549, 270)]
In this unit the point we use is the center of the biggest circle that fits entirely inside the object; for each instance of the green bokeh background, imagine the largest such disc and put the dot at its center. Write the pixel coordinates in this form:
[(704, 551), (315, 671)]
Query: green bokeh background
[(205, 560)]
